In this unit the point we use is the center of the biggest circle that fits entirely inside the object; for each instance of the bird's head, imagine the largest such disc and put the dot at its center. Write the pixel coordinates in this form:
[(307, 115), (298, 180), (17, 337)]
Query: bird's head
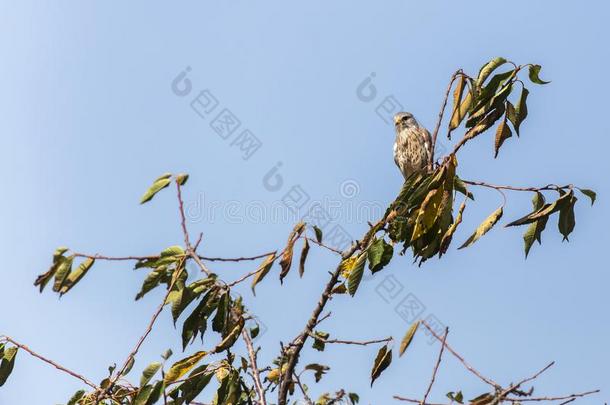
[(403, 120)]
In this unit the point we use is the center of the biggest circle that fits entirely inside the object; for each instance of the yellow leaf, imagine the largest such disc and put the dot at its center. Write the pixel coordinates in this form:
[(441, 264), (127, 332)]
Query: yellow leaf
[(456, 115), (484, 227), (502, 133), (182, 367), (406, 341), (262, 271)]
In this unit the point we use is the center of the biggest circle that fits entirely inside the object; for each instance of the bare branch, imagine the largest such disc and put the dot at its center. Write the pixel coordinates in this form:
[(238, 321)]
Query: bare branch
[(111, 258), (324, 246), (51, 362), (298, 380), (460, 358), (151, 323), (569, 397), (298, 343), (351, 342), (512, 388), (253, 365), (236, 259), (548, 187), (438, 363), (414, 401), (440, 116)]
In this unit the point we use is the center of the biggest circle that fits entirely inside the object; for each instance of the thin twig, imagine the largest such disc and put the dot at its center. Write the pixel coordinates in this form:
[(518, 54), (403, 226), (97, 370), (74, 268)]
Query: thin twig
[(235, 259), (298, 380), (548, 187), (111, 258), (185, 232), (253, 365), (438, 363), (323, 245), (414, 401), (461, 359), (51, 362), (512, 388), (297, 344), (582, 394), (151, 323), (440, 116), (350, 342)]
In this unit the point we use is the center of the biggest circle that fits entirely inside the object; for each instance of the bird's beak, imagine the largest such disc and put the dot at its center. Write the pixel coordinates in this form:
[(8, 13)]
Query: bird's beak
[(396, 119)]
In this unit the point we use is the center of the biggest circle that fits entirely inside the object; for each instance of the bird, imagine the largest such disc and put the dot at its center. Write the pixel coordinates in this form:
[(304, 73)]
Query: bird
[(412, 147)]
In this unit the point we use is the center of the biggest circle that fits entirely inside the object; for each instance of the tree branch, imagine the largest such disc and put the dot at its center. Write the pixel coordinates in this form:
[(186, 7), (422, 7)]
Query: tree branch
[(440, 116), (548, 187), (460, 358), (151, 323), (51, 362), (438, 363), (569, 397), (257, 378), (297, 344), (350, 342)]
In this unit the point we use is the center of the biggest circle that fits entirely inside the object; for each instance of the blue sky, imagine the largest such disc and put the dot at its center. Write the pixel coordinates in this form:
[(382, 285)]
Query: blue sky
[(89, 118)]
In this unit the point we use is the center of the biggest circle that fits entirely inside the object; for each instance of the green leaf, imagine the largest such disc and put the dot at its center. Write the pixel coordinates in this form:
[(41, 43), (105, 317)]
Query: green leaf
[(262, 271), (491, 96), (379, 254), (151, 281), (182, 178), (167, 354), (459, 397), (7, 363), (448, 236), (149, 394), (534, 231), (408, 338), (76, 275), (197, 320), (502, 133), (286, 261), (173, 251), (76, 397), (157, 186), (64, 268), (128, 367), (304, 253), (254, 331), (182, 367), (459, 108), (149, 372), (355, 275), (43, 279), (488, 68), (197, 380), (589, 193), (222, 313), (231, 337), (319, 344), (567, 221), (484, 227), (534, 72), (318, 233), (544, 211), (382, 361), (461, 187), (183, 297), (318, 369), (519, 113), (487, 122)]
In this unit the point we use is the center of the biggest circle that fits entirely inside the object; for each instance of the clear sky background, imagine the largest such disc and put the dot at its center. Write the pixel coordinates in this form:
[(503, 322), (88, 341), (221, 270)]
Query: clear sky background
[(88, 119)]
